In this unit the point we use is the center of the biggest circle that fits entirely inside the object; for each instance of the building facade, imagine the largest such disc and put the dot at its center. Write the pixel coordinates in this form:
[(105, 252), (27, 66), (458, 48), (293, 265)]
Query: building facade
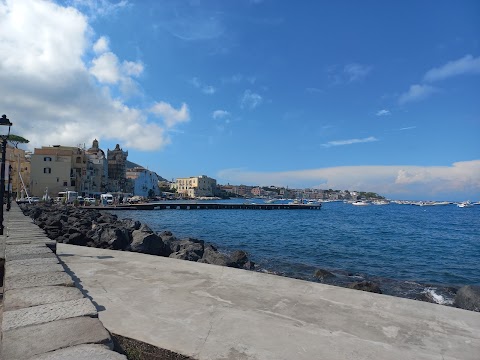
[(97, 170), (17, 171), (196, 186), (57, 168), (145, 182), (117, 170)]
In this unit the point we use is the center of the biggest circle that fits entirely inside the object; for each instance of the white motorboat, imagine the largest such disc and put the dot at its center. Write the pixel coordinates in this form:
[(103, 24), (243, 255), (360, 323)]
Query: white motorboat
[(465, 204), (360, 203)]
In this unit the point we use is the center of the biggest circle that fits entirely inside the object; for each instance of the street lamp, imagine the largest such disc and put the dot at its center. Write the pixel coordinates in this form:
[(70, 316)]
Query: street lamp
[(3, 122)]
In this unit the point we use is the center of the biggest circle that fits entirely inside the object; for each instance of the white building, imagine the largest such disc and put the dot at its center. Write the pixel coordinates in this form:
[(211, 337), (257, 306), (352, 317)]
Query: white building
[(145, 182), (196, 186)]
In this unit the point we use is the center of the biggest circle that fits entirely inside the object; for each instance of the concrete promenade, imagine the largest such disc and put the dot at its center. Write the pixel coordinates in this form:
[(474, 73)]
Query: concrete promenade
[(44, 316), (212, 312)]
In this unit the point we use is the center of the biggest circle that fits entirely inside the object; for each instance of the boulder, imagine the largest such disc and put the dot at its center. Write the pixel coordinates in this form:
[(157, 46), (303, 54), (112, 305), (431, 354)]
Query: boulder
[(468, 298), (365, 286), (323, 274), (148, 243), (76, 239), (212, 256), (131, 225), (187, 249)]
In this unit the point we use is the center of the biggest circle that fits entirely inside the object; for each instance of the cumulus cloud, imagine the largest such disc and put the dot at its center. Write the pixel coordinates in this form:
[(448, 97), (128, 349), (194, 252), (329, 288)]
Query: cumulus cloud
[(349, 141), (463, 66), (416, 92), (101, 45), (383, 112), (220, 114), (250, 100), (458, 181), (170, 115), (46, 81)]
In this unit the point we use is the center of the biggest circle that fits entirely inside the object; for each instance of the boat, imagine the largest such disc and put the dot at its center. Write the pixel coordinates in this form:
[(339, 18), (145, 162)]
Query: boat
[(360, 203), (465, 204), (380, 202)]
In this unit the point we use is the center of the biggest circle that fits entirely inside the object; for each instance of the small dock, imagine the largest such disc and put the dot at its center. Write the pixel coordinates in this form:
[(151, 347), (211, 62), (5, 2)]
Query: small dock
[(208, 206)]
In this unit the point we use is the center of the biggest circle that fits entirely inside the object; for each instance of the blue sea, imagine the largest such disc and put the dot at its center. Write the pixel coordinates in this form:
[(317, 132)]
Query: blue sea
[(410, 251)]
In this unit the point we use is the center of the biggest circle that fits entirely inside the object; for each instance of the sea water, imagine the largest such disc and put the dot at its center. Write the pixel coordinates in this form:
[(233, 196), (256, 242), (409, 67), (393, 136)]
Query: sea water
[(408, 250)]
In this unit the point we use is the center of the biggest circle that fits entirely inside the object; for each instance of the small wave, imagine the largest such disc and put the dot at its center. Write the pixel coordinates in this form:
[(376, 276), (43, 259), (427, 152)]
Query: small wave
[(439, 299)]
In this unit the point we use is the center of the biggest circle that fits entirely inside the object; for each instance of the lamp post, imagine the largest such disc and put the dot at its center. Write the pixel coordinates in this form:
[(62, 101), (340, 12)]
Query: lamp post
[(9, 188), (3, 122)]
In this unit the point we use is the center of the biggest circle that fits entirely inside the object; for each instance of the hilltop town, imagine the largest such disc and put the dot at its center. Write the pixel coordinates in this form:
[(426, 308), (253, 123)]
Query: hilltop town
[(50, 170)]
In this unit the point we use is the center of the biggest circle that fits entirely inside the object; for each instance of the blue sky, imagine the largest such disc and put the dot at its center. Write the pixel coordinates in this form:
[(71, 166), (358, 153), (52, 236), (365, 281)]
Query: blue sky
[(371, 96)]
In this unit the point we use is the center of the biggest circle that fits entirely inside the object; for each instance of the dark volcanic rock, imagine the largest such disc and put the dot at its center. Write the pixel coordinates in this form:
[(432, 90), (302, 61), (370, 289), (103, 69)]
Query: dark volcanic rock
[(323, 274), (365, 286), (212, 256), (468, 298), (187, 249), (148, 243)]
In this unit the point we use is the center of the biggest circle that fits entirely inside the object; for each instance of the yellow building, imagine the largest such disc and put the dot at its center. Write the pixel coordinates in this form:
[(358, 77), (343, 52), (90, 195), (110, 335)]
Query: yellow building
[(196, 186), (17, 167), (58, 168)]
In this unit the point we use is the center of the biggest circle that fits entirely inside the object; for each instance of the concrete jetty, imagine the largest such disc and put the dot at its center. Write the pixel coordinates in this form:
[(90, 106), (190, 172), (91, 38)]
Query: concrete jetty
[(205, 311), (44, 315), (212, 312)]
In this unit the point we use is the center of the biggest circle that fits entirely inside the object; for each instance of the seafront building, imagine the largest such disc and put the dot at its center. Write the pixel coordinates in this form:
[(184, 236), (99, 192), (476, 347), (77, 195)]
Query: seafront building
[(196, 186), (145, 182), (58, 168), (117, 171), (17, 171), (97, 170)]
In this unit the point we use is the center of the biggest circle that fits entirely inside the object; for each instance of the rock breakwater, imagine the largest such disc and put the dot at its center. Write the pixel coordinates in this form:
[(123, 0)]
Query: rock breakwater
[(94, 228)]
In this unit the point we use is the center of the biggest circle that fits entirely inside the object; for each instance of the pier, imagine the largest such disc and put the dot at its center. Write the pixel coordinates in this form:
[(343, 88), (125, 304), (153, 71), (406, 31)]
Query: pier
[(207, 206)]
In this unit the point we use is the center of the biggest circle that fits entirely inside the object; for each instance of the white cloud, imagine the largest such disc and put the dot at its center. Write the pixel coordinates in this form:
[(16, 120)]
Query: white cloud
[(101, 45), (132, 68), (349, 141), (46, 83), (459, 181), (105, 68), (220, 114), (206, 89), (466, 65), (383, 112), (250, 100), (94, 8), (170, 115), (417, 92), (356, 72)]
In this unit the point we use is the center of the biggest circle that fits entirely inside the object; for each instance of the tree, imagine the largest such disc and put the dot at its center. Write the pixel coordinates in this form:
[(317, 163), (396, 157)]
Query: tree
[(16, 139)]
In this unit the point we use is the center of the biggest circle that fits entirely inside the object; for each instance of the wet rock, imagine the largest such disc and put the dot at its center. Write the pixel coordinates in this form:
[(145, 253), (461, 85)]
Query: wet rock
[(212, 256), (468, 298), (323, 274), (366, 286), (187, 249)]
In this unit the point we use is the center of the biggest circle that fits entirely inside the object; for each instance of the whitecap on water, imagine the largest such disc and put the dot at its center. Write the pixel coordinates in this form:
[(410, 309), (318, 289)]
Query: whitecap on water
[(439, 299)]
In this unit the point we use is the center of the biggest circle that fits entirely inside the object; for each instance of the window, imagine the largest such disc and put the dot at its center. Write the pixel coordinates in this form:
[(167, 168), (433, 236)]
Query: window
[(47, 158), (47, 170), (79, 160), (65, 183), (72, 183)]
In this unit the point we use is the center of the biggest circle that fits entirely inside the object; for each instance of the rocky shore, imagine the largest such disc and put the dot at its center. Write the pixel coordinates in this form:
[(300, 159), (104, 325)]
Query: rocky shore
[(94, 228)]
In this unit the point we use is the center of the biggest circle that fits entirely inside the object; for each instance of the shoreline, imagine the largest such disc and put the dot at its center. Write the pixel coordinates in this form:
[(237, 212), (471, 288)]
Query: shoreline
[(105, 230)]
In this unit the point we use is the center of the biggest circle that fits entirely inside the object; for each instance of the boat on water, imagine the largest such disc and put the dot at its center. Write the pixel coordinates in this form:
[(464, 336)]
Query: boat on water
[(360, 203), (465, 204), (380, 202)]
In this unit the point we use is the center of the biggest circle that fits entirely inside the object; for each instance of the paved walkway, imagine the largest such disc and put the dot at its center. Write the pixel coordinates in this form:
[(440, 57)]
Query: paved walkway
[(44, 316), (212, 312)]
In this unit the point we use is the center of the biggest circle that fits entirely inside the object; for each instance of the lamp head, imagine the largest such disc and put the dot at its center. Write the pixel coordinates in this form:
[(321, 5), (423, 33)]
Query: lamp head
[(4, 121)]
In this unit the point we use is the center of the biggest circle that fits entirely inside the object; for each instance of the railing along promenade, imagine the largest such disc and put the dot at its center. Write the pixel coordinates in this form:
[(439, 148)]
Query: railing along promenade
[(45, 316)]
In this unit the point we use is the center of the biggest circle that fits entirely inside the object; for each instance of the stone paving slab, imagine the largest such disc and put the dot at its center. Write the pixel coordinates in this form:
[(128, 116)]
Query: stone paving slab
[(13, 250), (82, 352), (30, 256), (30, 241), (33, 280), (28, 341), (45, 313), (35, 261), (27, 297), (18, 270)]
